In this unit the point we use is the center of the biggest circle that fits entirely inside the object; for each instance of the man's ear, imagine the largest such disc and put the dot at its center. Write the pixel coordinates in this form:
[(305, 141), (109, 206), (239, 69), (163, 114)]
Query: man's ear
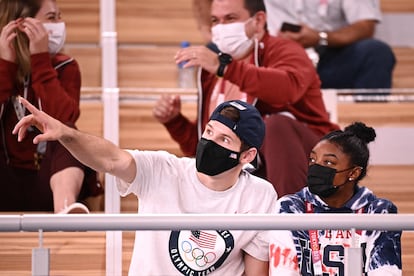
[(260, 18), (248, 156)]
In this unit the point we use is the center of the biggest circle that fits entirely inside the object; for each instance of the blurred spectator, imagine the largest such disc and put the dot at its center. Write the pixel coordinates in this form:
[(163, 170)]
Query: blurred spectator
[(341, 32), (44, 177), (334, 33)]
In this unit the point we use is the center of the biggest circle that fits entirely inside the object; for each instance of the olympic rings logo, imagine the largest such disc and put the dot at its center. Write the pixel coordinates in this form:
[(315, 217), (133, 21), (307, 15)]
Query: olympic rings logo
[(197, 255)]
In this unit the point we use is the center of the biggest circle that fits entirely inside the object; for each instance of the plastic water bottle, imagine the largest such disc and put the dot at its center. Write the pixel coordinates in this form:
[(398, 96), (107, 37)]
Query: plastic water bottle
[(186, 76)]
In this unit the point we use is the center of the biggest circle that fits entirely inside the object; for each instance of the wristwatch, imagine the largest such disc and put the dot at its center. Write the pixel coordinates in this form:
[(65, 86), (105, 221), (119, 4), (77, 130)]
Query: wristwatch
[(323, 39), (224, 60)]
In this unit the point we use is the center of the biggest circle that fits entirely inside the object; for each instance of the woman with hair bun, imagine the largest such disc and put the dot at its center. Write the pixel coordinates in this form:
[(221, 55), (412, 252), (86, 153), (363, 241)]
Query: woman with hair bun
[(336, 165)]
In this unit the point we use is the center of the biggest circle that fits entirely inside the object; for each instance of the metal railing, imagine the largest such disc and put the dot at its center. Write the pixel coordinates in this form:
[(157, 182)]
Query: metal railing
[(132, 222), (148, 94)]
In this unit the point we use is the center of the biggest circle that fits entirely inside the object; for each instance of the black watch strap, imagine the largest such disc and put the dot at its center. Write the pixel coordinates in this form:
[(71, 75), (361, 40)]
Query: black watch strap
[(224, 59)]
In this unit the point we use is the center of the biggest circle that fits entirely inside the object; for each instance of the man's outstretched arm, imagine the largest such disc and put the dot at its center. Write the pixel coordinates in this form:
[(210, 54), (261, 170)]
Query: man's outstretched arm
[(93, 151)]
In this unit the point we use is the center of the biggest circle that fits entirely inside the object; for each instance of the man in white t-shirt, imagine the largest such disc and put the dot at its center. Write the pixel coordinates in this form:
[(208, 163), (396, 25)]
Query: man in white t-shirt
[(214, 182)]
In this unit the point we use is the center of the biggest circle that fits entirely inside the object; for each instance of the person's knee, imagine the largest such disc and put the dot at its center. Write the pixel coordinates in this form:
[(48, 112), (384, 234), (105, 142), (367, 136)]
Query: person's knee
[(282, 130), (376, 50), (279, 122)]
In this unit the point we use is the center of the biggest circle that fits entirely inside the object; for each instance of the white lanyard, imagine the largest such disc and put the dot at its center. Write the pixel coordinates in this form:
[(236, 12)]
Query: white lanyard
[(18, 107), (314, 243), (299, 6), (322, 8)]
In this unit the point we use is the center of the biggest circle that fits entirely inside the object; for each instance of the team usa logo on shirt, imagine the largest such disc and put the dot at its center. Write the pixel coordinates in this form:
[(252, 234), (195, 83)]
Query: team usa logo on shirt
[(198, 252)]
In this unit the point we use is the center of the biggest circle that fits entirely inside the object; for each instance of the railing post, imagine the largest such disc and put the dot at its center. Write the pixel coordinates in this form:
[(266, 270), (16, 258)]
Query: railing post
[(353, 257), (111, 126), (40, 258), (331, 103)]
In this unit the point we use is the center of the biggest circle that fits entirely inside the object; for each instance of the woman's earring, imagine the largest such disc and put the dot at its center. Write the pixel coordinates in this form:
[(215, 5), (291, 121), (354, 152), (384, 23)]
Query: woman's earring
[(350, 179)]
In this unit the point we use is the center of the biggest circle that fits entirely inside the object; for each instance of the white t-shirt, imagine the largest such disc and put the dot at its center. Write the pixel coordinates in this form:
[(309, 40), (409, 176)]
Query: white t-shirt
[(322, 15), (167, 184)]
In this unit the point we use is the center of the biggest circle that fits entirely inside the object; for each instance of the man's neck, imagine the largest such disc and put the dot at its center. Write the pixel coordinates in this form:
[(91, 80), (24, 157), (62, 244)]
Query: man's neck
[(221, 182)]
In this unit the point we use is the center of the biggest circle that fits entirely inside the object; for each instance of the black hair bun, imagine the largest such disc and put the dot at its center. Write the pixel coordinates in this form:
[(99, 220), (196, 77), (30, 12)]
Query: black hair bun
[(365, 133)]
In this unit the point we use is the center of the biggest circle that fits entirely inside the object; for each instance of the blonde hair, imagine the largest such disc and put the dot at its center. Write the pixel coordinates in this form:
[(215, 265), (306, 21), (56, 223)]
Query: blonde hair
[(12, 10)]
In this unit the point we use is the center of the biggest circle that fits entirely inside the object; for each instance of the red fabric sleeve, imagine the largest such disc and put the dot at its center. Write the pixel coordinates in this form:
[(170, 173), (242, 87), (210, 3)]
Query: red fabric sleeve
[(184, 133), (8, 71), (283, 78), (58, 91)]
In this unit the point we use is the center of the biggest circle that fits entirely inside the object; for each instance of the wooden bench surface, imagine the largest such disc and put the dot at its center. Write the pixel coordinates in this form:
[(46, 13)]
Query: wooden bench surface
[(146, 22), (71, 253), (402, 6), (90, 64), (147, 66), (403, 75), (152, 66), (138, 128), (377, 114), (82, 20)]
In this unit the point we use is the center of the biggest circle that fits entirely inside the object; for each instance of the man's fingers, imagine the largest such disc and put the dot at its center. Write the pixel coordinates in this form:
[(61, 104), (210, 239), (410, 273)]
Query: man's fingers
[(176, 100), (23, 123), (21, 133), (28, 105), (22, 127), (158, 112), (40, 138)]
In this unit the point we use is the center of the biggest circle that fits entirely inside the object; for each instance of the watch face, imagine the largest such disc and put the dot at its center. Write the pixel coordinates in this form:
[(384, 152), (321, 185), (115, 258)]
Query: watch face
[(225, 58), (323, 39)]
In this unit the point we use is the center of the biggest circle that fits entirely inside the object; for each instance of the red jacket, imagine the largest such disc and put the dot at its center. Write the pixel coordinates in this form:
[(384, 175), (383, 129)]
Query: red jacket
[(285, 81), (54, 84)]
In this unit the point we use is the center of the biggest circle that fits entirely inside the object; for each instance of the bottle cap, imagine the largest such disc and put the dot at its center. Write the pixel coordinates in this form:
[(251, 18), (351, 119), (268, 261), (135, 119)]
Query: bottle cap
[(185, 44)]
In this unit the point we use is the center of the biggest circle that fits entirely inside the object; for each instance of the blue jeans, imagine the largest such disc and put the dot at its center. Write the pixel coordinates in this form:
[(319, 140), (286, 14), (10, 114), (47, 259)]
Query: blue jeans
[(365, 64)]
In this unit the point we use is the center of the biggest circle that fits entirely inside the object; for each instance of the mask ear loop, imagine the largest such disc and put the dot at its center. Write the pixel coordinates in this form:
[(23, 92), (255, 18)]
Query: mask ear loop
[(256, 60), (256, 52), (349, 179)]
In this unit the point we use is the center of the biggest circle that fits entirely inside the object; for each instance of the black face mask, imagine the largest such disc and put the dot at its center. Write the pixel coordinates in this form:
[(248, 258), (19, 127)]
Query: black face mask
[(320, 180), (213, 159)]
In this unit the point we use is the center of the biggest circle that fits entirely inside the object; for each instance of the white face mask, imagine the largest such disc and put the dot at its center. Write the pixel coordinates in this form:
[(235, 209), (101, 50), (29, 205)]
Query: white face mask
[(232, 39), (57, 36)]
